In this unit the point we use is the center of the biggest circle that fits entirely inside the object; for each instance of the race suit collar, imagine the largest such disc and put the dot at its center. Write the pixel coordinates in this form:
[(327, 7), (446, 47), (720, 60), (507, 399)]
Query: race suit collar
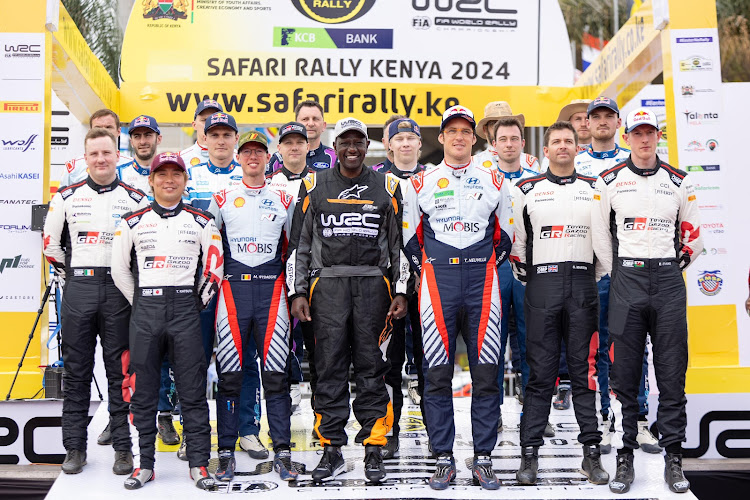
[(405, 174), (166, 212), (457, 170), (291, 176), (600, 155), (337, 170), (561, 180), (643, 172), (252, 190), (102, 189), (141, 170), (319, 150), (218, 170)]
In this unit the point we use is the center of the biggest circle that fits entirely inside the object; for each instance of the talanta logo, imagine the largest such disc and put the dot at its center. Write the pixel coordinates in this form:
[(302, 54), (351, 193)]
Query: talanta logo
[(333, 11)]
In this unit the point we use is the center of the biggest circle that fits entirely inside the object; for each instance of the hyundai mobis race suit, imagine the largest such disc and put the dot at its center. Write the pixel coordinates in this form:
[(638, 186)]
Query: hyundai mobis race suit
[(554, 256), (252, 308), (177, 269), (78, 236), (646, 232), (457, 229), (345, 256)]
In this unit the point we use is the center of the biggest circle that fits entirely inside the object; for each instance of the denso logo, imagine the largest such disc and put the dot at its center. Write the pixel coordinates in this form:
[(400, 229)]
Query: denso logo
[(255, 248), (552, 232), (636, 223), (158, 262), (88, 237), (350, 219), (467, 227), (626, 183), (545, 193)]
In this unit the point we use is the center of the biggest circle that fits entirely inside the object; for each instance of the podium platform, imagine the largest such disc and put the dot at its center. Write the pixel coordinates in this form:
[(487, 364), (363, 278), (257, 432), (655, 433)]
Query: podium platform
[(559, 464)]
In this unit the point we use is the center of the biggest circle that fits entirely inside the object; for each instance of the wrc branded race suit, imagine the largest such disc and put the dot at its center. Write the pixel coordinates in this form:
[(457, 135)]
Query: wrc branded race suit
[(488, 159), (318, 159), (169, 264), (554, 256), (591, 163), (302, 332), (512, 291), (78, 236), (646, 231), (252, 308), (194, 155), (457, 229), (346, 257), (397, 347), (76, 169)]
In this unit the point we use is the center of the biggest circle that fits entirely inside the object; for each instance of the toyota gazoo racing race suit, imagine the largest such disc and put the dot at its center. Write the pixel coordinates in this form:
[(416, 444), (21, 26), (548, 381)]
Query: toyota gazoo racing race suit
[(318, 159), (512, 292), (397, 347), (646, 232), (252, 309), (177, 270), (457, 229), (591, 163), (302, 332), (78, 235), (346, 257), (488, 159), (76, 169), (554, 256)]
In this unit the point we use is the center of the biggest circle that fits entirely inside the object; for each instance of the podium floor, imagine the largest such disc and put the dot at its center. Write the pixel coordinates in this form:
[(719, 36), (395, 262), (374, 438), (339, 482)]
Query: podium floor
[(559, 463)]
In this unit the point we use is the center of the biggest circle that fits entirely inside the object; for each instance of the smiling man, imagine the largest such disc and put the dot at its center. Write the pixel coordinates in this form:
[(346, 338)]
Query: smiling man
[(346, 271), (319, 156)]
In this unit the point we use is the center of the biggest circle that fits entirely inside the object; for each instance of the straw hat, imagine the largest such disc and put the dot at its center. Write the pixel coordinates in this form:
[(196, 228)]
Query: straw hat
[(575, 106), (495, 110)]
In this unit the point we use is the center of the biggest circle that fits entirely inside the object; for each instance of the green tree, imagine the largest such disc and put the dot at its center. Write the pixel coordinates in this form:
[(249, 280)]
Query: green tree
[(97, 22)]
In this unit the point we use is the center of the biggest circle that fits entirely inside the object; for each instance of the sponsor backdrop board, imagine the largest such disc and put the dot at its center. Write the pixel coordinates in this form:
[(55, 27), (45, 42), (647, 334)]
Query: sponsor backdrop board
[(367, 58), (21, 168)]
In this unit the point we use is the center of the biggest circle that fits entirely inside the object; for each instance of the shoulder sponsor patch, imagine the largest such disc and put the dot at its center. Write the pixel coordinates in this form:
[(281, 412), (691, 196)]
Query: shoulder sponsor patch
[(310, 180), (132, 221), (391, 184)]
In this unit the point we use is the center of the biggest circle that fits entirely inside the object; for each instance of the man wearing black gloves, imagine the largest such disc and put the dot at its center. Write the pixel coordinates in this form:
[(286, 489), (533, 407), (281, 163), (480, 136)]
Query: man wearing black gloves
[(78, 236), (646, 232), (167, 261), (554, 255), (345, 257)]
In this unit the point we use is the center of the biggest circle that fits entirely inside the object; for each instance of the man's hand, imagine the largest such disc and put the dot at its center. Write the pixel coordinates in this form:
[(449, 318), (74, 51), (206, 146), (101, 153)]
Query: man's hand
[(301, 309), (747, 306), (398, 307)]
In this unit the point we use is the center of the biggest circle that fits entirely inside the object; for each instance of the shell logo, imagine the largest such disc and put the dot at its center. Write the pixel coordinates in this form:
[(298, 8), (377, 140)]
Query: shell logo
[(443, 183), (239, 202)]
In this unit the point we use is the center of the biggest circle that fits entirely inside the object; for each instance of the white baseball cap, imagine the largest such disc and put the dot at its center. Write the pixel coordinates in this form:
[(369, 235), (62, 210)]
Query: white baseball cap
[(458, 111), (640, 116), (347, 124)]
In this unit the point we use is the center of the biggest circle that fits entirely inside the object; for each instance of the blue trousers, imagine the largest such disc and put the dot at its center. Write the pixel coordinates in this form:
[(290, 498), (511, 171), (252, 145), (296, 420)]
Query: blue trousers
[(512, 293)]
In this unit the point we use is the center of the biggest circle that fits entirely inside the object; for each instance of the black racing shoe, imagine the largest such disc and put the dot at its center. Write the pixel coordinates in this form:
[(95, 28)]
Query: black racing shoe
[(482, 473), (227, 465), (673, 474), (625, 474), (499, 422), (123, 462), (390, 450), (74, 461), (105, 438), (529, 465), (282, 463), (519, 388), (331, 464), (165, 427), (202, 478), (139, 478), (549, 430), (592, 465), (445, 472), (562, 397), (374, 468)]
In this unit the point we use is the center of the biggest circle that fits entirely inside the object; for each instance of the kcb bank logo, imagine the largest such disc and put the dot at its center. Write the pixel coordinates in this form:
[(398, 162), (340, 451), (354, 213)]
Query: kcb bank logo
[(710, 282), (333, 11)]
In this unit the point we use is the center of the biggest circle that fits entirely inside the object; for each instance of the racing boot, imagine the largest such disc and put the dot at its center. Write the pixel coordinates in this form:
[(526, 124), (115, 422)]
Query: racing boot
[(282, 464), (592, 465), (500, 422), (482, 473), (374, 468), (526, 474), (227, 465), (445, 472), (646, 440), (74, 461), (549, 430), (123, 462), (673, 474), (562, 397), (606, 429), (139, 478), (625, 474), (254, 447), (165, 427), (331, 464), (518, 387), (412, 389), (390, 450), (105, 438), (202, 478)]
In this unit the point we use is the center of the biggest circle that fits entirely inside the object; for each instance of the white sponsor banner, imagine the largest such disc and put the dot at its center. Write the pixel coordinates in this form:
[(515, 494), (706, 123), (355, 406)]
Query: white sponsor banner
[(21, 168)]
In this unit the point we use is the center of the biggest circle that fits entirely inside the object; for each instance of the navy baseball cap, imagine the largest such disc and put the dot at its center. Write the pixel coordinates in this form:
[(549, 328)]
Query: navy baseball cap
[(222, 119), (458, 111), (207, 104), (292, 128), (144, 121), (603, 102), (396, 127), (165, 159)]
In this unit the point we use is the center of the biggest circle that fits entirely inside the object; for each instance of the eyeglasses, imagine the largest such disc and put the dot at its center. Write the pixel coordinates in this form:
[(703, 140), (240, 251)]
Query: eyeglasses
[(252, 152)]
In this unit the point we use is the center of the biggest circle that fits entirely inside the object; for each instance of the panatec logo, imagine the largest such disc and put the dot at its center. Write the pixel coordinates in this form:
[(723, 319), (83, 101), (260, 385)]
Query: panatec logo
[(333, 11)]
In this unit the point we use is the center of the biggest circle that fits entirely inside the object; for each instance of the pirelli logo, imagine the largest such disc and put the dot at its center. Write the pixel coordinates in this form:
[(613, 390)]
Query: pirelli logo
[(20, 107)]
